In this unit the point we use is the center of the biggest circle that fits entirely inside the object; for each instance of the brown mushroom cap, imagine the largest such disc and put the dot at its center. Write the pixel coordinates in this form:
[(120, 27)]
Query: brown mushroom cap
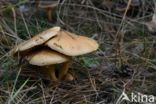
[(36, 40), (71, 44), (48, 3), (46, 57)]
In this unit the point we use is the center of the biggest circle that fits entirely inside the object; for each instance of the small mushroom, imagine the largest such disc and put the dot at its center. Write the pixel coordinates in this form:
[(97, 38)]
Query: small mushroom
[(68, 77), (49, 5), (71, 45), (47, 57)]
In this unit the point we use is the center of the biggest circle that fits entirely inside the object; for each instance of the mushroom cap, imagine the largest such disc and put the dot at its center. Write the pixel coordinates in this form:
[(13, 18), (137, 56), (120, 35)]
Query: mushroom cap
[(68, 77), (44, 57), (71, 44), (48, 3), (37, 40)]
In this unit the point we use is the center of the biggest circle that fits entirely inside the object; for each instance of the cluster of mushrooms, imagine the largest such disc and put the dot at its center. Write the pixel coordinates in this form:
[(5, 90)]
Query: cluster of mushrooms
[(54, 46)]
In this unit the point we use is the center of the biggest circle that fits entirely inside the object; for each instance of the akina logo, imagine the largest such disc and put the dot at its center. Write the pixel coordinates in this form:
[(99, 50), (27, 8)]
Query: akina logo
[(136, 97)]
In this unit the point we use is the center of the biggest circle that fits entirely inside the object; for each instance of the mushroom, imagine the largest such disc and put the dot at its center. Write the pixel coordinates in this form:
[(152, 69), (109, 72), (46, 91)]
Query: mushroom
[(49, 5), (36, 40), (47, 57), (68, 77), (71, 45), (34, 45), (55, 46)]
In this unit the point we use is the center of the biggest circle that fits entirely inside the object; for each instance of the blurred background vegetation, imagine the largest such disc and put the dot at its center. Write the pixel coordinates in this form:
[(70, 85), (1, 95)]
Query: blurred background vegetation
[(126, 58)]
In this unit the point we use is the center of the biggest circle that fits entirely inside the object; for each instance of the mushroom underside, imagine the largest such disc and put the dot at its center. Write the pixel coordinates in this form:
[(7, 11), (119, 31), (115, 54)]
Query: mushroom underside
[(48, 58)]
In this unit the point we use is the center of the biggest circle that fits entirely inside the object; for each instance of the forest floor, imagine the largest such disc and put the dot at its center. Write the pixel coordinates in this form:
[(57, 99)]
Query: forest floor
[(124, 62)]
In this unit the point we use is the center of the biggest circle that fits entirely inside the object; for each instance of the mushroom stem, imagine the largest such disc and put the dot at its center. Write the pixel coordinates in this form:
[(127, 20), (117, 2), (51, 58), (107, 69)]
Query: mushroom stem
[(64, 69), (51, 73), (49, 13), (37, 3)]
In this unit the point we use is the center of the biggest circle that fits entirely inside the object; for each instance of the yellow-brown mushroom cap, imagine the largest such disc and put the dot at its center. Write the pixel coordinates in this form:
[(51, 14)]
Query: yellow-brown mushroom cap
[(48, 3), (71, 44), (36, 40), (45, 57)]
